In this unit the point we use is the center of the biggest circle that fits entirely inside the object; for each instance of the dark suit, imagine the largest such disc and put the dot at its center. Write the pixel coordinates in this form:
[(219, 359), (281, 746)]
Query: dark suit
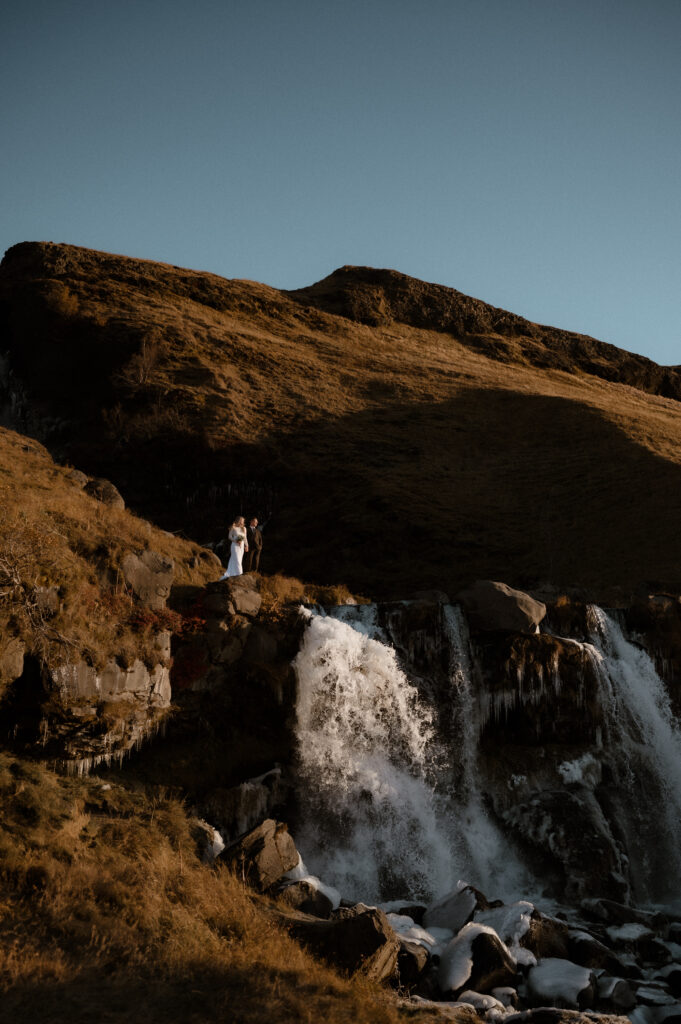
[(254, 538)]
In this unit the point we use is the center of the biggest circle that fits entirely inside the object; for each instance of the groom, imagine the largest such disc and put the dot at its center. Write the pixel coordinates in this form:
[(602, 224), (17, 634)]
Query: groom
[(254, 538)]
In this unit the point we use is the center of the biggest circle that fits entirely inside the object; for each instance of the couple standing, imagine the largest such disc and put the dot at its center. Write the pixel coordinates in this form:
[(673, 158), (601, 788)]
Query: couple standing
[(244, 540)]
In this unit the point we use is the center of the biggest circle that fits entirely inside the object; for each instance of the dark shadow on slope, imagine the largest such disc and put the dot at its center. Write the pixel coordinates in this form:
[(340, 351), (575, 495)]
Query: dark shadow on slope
[(522, 488)]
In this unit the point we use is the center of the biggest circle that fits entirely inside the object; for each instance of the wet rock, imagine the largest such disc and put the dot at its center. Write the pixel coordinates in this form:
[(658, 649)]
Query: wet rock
[(476, 959), (671, 976), (613, 913), (587, 951), (264, 855), (615, 994), (455, 909), (546, 937), (104, 491), (150, 576), (561, 983), (641, 941), (668, 1014), (571, 828), (507, 996), (238, 809), (495, 606), (360, 942), (650, 994), (306, 897), (412, 961)]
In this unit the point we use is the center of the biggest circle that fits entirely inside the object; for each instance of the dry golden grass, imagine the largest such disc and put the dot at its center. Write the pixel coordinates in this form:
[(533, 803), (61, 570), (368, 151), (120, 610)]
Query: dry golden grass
[(107, 914), (52, 534), (394, 457)]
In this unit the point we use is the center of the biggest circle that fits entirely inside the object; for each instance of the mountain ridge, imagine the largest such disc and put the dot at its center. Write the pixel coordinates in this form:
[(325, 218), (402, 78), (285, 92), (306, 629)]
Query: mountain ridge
[(392, 456)]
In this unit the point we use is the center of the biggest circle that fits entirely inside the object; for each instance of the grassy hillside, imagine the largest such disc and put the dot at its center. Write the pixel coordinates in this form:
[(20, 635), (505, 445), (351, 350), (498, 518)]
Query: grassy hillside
[(107, 914), (55, 539), (401, 435)]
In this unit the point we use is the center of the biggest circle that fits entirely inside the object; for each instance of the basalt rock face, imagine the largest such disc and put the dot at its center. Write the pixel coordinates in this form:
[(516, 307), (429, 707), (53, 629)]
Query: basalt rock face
[(79, 716)]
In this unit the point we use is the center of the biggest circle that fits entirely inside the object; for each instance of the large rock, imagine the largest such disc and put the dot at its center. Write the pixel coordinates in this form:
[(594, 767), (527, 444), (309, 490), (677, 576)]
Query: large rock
[(236, 595), (476, 959), (495, 606), (151, 576), (615, 994), (104, 491), (561, 983), (412, 960), (306, 897), (360, 941), (264, 855), (455, 909)]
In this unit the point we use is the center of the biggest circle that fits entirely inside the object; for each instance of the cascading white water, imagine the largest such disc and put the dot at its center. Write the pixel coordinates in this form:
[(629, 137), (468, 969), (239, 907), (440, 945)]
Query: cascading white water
[(367, 761), (390, 784), (644, 750), (483, 854)]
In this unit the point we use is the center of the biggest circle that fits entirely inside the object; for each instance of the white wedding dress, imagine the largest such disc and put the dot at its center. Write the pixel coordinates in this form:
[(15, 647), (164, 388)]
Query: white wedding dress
[(237, 535)]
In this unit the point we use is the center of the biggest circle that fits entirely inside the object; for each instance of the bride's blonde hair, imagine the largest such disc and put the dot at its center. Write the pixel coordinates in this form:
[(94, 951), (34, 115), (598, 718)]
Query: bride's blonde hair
[(238, 521)]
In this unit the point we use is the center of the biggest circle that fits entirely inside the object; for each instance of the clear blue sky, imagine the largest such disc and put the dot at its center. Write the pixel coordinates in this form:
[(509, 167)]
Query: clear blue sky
[(527, 152)]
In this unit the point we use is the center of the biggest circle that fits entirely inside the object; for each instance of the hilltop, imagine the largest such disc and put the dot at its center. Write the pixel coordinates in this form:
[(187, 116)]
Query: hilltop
[(399, 434)]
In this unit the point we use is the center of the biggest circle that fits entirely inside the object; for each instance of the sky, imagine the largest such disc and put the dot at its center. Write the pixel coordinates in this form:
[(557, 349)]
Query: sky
[(526, 152)]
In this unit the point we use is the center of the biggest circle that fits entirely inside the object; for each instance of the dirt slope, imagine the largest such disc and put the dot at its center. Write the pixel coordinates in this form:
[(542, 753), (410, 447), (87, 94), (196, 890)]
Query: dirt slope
[(400, 435)]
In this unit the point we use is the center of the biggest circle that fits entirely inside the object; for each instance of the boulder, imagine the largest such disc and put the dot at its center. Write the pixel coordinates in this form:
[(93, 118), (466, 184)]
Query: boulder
[(235, 595), (615, 994), (546, 937), (671, 976), (263, 855), (360, 941), (613, 913), (245, 595), (76, 477), (495, 606), (306, 897), (455, 909), (104, 491), (150, 576), (476, 959), (412, 960), (587, 951), (561, 983)]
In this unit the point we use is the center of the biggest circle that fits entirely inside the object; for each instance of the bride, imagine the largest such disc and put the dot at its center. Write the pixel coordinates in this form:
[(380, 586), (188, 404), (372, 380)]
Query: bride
[(237, 535)]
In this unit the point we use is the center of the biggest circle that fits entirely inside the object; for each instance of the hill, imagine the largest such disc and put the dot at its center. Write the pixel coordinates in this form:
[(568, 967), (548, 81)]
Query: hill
[(399, 435)]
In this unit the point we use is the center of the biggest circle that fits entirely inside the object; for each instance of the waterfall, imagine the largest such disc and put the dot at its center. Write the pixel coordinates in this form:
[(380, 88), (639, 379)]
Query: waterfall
[(643, 748), (368, 759), (483, 853), (388, 781)]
